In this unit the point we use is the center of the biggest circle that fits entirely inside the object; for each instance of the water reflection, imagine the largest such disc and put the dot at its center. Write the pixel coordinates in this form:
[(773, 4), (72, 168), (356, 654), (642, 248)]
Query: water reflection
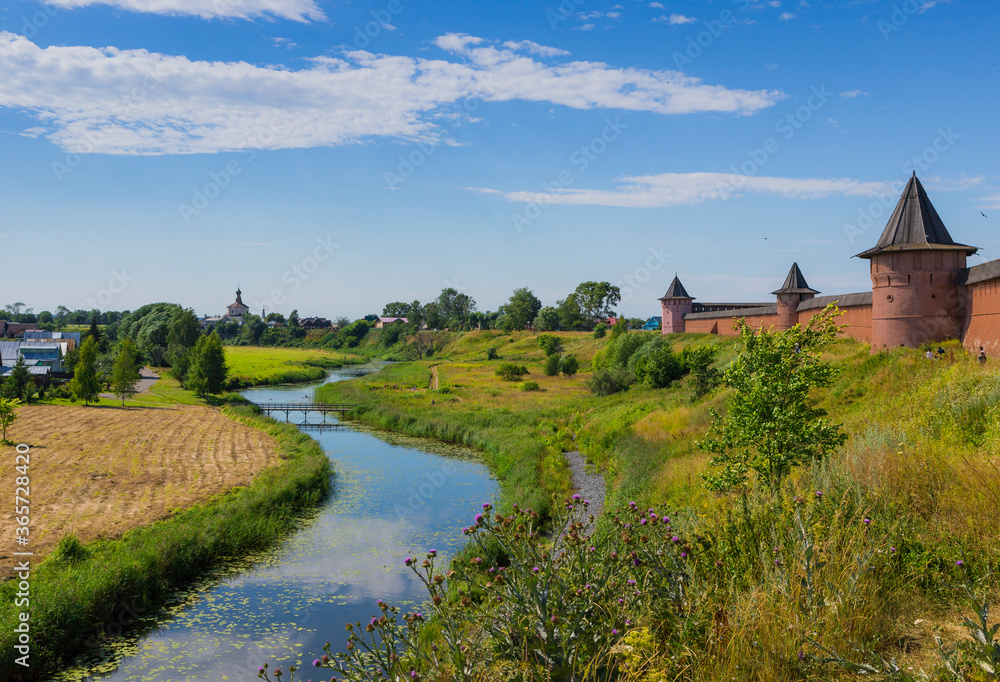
[(391, 500)]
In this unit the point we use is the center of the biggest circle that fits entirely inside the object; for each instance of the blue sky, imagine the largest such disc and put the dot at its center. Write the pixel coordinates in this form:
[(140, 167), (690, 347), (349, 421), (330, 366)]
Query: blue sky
[(332, 157)]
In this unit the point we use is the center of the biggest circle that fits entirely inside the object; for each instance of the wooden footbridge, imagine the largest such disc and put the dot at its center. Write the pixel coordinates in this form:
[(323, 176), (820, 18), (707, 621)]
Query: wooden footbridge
[(304, 408)]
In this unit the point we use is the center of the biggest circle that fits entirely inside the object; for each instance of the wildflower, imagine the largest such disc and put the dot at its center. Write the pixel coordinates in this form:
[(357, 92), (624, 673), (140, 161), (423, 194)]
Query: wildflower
[(409, 561), (433, 552), (684, 555), (959, 563), (642, 522), (675, 539), (577, 498), (892, 550), (867, 521), (614, 632), (666, 519), (819, 495), (535, 569), (632, 504), (316, 663), (621, 602), (801, 656)]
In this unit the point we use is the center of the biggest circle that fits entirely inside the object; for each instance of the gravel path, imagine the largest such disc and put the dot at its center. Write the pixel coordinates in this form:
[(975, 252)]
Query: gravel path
[(588, 486)]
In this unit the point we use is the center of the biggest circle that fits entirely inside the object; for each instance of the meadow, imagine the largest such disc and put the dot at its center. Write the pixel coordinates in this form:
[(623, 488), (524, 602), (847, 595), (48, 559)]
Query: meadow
[(253, 366), (865, 555)]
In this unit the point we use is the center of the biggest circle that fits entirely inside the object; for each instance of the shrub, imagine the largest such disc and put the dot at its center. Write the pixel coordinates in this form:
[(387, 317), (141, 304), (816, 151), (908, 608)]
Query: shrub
[(608, 381), (530, 386), (552, 366), (600, 330), (510, 371), (568, 365), (549, 344), (657, 365), (69, 550), (700, 363), (491, 353)]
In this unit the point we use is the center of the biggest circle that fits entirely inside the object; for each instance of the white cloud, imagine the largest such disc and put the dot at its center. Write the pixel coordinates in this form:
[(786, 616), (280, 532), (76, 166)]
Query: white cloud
[(535, 48), (585, 27), (991, 202), (297, 10), (657, 5), (676, 19), (675, 189), (785, 16), (959, 184), (834, 122), (138, 102), (931, 3), (851, 94), (32, 132)]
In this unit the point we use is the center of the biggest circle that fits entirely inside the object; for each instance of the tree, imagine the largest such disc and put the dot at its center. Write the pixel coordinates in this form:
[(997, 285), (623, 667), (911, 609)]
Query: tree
[(20, 384), (454, 307), (772, 423), (570, 316), (125, 374), (252, 329), (700, 363), (568, 365), (597, 300), (293, 319), (600, 329), (8, 415), (396, 309), (95, 331), (520, 310), (85, 385), (45, 317), (552, 366), (184, 329), (547, 320), (208, 366)]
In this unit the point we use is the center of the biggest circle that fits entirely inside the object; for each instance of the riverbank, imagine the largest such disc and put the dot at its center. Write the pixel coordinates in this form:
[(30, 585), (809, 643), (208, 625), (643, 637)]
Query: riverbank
[(854, 552), (80, 588), (271, 366)]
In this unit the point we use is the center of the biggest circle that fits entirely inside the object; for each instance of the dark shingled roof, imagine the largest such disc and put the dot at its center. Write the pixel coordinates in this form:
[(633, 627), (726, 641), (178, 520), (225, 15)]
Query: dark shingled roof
[(770, 309), (795, 283), (915, 226), (676, 290), (842, 301), (979, 273)]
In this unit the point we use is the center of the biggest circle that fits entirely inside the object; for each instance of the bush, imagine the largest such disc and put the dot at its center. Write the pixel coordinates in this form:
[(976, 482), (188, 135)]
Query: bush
[(509, 371), (608, 381), (600, 330), (530, 386), (549, 344), (552, 366), (569, 365), (700, 363), (656, 364), (491, 353)]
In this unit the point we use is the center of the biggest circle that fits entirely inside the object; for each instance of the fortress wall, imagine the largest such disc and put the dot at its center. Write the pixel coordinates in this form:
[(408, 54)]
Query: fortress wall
[(723, 326), (858, 317), (982, 321)]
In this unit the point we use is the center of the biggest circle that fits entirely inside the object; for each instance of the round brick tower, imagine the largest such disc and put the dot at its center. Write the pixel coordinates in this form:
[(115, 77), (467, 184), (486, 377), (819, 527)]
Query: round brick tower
[(914, 267), (790, 295), (674, 305)]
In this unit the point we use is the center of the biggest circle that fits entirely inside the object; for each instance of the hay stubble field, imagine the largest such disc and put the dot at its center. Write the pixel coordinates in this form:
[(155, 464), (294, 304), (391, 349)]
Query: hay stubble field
[(101, 471)]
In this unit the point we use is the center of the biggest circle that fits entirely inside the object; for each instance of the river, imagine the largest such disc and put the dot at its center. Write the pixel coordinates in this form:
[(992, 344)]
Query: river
[(393, 497)]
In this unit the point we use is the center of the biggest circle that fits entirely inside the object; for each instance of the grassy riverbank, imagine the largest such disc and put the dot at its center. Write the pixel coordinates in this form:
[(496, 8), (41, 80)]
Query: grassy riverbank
[(255, 366), (884, 534), (81, 592)]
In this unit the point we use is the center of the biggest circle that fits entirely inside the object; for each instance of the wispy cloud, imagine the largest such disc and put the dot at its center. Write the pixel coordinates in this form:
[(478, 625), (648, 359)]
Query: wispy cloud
[(296, 10), (85, 96), (931, 3), (676, 19), (851, 94), (785, 16), (676, 189), (959, 184), (534, 48)]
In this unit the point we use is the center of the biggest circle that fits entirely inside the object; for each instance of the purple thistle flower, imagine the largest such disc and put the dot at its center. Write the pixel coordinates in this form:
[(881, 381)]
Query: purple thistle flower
[(614, 632), (959, 563), (642, 522), (535, 569), (316, 663), (867, 521), (577, 498)]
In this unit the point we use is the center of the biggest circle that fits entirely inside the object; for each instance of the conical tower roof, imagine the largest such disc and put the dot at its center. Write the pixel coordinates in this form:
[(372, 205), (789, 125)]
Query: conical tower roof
[(915, 226), (795, 283), (676, 290)]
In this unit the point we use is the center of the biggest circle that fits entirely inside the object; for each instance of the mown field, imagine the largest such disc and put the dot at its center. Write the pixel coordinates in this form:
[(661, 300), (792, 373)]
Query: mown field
[(899, 519), (98, 472), (252, 366)]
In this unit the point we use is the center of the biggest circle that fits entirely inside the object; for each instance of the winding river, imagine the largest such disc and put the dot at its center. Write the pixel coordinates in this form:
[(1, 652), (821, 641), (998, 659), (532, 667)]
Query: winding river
[(392, 498)]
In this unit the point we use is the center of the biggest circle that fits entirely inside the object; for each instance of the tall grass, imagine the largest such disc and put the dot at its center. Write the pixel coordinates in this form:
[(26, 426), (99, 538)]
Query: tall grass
[(78, 590)]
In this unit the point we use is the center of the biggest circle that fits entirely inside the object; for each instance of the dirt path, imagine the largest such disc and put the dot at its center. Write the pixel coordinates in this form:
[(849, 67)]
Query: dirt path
[(590, 487), (434, 378), (146, 381), (100, 471)]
